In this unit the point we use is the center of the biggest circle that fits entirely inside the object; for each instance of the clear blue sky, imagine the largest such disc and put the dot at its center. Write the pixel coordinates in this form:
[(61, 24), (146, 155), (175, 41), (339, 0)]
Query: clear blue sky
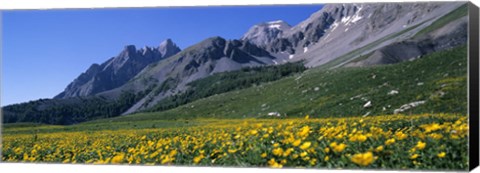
[(44, 50)]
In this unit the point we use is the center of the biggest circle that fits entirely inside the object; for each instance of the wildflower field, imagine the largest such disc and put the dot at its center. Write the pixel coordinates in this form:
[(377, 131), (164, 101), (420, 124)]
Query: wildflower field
[(422, 141)]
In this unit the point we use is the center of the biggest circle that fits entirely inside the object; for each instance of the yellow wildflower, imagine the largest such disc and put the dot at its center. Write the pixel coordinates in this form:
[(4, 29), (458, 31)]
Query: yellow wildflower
[(363, 159), (297, 142), (197, 159), (338, 147), (414, 156), (327, 150), (390, 141), (326, 158), (277, 151), (118, 158), (379, 148), (420, 145), (232, 150), (441, 155), (263, 155), (274, 164), (305, 145), (401, 135)]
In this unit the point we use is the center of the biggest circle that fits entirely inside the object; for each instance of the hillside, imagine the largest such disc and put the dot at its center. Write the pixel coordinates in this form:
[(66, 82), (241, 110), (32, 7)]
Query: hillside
[(438, 80)]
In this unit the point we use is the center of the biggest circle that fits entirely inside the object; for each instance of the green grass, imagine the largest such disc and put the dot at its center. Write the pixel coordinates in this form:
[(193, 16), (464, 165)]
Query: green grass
[(339, 93), (455, 14)]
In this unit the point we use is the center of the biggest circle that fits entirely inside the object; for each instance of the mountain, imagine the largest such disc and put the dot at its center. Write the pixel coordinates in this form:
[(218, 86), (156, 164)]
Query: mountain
[(213, 55), (117, 70), (338, 29)]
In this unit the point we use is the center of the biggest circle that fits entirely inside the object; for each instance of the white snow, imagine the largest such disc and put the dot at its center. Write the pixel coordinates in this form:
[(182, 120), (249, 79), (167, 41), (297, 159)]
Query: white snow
[(275, 22), (346, 29), (356, 18), (305, 49), (345, 20), (291, 56), (352, 19), (275, 62), (334, 26), (404, 26), (277, 26)]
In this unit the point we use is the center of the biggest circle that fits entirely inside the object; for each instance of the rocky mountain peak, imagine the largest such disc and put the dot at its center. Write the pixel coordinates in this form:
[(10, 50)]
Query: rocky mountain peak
[(264, 33), (118, 70), (168, 48)]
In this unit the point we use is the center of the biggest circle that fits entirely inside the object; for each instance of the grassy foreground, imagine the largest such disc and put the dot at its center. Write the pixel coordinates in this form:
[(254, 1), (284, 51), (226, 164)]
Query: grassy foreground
[(420, 141)]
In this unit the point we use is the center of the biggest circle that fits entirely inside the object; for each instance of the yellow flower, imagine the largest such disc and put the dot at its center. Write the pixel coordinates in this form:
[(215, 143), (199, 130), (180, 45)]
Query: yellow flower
[(436, 136), (414, 156), (431, 127), (297, 142), (197, 159), (118, 158), (173, 153), (420, 145), (304, 131), (327, 150), (277, 151), (339, 148), (232, 150), (379, 148), (305, 145), (363, 159), (287, 152), (441, 155), (401, 135), (326, 158), (307, 116), (253, 132), (390, 141), (303, 154), (274, 164), (263, 155)]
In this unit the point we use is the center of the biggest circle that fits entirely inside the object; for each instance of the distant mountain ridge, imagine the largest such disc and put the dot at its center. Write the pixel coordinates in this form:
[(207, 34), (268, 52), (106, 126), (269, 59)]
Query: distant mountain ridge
[(117, 70)]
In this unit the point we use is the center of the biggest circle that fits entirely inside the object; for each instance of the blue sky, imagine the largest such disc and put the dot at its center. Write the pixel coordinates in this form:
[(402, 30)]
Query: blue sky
[(44, 50)]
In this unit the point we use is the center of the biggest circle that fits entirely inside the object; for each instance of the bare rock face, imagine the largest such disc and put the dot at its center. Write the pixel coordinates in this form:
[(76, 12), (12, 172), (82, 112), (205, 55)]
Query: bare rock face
[(337, 29), (213, 55), (264, 33), (117, 70)]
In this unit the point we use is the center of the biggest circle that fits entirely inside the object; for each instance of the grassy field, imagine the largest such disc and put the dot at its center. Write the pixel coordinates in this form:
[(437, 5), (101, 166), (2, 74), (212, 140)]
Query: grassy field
[(424, 141)]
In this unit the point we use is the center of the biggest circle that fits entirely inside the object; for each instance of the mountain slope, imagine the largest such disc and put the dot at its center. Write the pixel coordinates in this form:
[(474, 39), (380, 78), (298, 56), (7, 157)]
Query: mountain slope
[(117, 70), (440, 83)]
